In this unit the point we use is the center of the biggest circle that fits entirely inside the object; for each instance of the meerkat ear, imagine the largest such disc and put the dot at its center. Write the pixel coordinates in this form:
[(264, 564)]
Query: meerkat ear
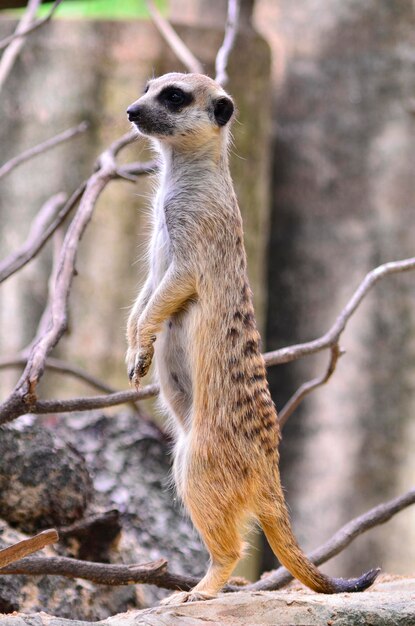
[(223, 109)]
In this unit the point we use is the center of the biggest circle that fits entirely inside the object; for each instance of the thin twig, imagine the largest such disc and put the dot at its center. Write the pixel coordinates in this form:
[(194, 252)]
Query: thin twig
[(131, 171), (38, 24), (62, 367), (109, 521), (156, 573), (93, 402), (174, 41), (12, 51), (231, 31), (33, 245), (27, 546), (332, 336), (306, 388), (340, 540), (42, 147)]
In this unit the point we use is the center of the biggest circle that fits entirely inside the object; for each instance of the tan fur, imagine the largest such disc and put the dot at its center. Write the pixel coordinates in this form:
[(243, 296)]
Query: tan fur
[(198, 304)]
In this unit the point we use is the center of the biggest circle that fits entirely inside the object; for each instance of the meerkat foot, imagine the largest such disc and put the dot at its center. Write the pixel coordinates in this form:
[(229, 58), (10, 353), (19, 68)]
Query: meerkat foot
[(180, 597), (139, 365)]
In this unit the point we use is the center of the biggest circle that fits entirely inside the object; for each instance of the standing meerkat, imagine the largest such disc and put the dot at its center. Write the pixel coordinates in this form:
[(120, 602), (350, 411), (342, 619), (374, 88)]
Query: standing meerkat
[(195, 315)]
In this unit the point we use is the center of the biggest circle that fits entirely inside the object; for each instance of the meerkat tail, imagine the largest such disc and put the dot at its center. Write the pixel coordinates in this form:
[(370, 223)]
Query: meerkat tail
[(277, 528)]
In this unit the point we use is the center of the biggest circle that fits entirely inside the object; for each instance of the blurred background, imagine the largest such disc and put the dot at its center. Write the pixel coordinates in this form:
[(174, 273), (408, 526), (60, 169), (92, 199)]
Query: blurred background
[(323, 161)]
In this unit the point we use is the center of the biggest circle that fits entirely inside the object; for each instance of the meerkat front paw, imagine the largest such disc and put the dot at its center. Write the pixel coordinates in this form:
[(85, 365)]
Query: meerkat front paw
[(138, 362)]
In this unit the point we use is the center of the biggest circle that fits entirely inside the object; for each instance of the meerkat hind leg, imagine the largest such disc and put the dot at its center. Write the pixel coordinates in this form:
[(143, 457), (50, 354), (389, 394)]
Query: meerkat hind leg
[(224, 543)]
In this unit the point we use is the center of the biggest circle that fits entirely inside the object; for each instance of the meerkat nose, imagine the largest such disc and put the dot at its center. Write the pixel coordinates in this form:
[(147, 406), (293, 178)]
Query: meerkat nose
[(134, 112)]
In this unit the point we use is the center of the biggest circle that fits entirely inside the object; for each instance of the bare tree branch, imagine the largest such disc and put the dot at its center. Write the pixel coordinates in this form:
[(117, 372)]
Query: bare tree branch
[(27, 546), (35, 238), (62, 367), (93, 402), (58, 314), (332, 336), (43, 323), (152, 573), (132, 171), (12, 51), (17, 404), (174, 41), (42, 147), (306, 388), (340, 540), (156, 573), (34, 244), (23, 399), (38, 24), (231, 31)]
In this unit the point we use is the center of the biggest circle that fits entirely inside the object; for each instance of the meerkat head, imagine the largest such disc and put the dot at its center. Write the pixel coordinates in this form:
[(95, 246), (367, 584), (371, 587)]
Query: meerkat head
[(182, 109)]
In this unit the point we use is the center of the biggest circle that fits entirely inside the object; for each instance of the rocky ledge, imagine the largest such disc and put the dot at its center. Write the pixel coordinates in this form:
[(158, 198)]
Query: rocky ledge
[(391, 601)]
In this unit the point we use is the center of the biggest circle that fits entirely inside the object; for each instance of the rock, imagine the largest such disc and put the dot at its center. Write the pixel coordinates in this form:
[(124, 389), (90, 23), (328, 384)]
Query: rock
[(388, 602), (76, 599), (44, 481), (130, 464), (133, 517)]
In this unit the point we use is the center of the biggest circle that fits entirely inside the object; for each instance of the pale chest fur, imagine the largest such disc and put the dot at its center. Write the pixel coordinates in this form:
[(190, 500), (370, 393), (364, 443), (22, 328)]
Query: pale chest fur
[(160, 248)]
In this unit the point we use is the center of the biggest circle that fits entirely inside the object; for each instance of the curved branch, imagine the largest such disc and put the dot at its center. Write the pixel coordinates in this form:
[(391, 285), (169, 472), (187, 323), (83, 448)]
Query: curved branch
[(93, 402), (66, 270), (224, 51), (12, 51), (57, 365), (156, 573), (27, 546), (291, 353), (340, 540), (33, 245), (35, 239), (131, 171), (173, 40), (38, 24), (306, 388), (42, 147)]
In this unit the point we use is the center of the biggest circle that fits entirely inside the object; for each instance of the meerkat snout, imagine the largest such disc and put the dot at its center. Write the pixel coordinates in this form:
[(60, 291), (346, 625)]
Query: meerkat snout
[(133, 112)]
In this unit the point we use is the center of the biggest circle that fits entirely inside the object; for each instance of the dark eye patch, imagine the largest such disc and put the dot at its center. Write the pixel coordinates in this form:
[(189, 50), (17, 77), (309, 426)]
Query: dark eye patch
[(147, 88), (175, 98)]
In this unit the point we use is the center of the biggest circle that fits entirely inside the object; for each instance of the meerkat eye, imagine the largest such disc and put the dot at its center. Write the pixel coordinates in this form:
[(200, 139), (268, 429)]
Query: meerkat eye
[(174, 98), (146, 89)]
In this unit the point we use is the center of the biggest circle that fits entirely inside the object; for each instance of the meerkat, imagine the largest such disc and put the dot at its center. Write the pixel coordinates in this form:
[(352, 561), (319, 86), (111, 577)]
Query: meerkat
[(195, 315)]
